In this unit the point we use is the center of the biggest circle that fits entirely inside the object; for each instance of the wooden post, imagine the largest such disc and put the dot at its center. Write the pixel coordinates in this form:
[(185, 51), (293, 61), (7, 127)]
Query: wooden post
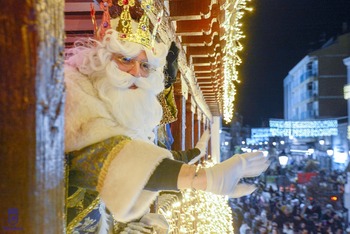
[(202, 123), (31, 117), (189, 124), (196, 129), (207, 124)]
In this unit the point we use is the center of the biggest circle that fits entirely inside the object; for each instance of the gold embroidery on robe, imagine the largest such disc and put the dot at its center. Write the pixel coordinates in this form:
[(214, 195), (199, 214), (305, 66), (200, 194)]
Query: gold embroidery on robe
[(167, 100), (87, 170)]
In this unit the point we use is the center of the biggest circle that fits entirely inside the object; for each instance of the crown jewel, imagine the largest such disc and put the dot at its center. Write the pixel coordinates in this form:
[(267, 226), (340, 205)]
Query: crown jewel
[(141, 34)]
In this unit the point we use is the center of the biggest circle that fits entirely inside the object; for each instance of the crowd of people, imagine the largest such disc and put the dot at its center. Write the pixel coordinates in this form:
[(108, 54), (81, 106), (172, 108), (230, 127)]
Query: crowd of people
[(272, 210)]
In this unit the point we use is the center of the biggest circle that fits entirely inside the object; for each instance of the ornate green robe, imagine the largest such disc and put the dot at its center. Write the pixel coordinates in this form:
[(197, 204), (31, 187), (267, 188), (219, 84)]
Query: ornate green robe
[(107, 179)]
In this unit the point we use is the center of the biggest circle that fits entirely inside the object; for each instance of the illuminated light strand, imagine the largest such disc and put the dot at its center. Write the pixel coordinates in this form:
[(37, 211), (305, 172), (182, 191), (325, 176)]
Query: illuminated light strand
[(304, 132), (313, 128), (285, 128), (303, 124), (233, 33), (197, 212)]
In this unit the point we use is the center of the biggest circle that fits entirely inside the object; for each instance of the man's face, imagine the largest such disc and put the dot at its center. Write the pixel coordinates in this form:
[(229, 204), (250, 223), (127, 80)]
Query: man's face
[(136, 66), (134, 71)]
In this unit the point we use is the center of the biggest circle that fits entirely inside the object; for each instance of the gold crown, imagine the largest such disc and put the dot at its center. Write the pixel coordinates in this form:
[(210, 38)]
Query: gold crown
[(141, 35)]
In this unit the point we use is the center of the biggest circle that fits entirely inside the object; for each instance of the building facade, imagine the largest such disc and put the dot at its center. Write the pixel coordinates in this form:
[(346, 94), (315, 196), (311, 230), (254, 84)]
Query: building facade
[(313, 89)]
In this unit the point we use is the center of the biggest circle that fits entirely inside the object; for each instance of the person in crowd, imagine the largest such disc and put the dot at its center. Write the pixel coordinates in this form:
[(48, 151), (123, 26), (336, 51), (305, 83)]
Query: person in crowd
[(115, 170), (244, 227)]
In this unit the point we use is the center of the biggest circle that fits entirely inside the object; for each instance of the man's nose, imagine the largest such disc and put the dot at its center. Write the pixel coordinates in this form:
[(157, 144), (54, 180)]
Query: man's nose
[(135, 70)]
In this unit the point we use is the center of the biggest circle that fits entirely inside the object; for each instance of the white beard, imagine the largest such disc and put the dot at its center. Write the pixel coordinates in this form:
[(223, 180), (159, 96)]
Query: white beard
[(137, 111)]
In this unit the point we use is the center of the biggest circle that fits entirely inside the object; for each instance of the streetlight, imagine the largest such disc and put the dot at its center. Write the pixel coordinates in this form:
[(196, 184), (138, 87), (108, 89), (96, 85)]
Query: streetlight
[(310, 151), (283, 159), (330, 152)]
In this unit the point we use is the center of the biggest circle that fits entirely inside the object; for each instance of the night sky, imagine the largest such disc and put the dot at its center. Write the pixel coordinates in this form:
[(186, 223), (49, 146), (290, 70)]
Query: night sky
[(279, 33)]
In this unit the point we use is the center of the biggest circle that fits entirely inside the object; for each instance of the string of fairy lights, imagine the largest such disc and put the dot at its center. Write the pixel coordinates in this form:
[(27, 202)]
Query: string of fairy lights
[(196, 212), (234, 12)]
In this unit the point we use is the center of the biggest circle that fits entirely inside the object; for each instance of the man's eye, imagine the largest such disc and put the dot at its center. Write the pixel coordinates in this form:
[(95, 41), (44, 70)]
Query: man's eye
[(146, 66), (125, 60)]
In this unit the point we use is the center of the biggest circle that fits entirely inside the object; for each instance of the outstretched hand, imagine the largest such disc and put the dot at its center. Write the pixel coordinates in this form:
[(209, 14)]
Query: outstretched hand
[(171, 68), (222, 179), (253, 164)]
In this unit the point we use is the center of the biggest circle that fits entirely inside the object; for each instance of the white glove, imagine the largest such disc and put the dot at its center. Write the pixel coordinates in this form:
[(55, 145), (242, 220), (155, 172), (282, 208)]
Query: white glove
[(202, 145), (157, 221), (242, 190), (222, 178)]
